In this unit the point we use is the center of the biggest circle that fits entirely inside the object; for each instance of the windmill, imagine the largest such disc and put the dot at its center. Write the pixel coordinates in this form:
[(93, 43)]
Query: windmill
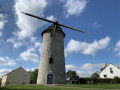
[(52, 61)]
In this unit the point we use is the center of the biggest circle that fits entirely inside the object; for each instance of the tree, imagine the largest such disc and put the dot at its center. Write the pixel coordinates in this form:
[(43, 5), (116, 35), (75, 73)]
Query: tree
[(71, 73), (95, 75), (33, 78)]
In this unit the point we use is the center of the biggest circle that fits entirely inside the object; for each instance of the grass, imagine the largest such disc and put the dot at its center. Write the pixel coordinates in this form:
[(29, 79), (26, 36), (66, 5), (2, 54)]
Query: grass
[(64, 87), (34, 87), (98, 86)]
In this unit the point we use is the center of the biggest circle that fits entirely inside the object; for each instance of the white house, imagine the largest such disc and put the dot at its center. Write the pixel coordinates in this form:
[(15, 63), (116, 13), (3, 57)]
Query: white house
[(110, 71)]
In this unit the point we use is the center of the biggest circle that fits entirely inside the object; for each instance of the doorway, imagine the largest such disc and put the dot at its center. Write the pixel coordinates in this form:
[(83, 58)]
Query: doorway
[(49, 79)]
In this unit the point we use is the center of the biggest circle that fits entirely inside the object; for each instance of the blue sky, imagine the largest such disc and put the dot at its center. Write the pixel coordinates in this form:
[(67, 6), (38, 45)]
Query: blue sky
[(20, 35)]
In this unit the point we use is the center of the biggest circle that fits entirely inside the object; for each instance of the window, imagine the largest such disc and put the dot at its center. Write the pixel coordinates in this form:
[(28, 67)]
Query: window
[(51, 60), (13, 83), (111, 70), (105, 75), (50, 71), (51, 35), (62, 48), (23, 83), (25, 76)]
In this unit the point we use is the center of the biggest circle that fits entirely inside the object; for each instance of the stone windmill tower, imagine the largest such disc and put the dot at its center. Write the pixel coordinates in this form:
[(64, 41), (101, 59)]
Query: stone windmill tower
[(52, 61)]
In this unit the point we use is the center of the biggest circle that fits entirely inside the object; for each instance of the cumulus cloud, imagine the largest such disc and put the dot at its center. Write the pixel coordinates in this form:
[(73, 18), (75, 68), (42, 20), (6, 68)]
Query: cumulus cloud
[(38, 45), (86, 48), (86, 70), (30, 69), (51, 17), (117, 48), (84, 73), (29, 55), (96, 25), (0, 33), (74, 7), (4, 72), (33, 39), (89, 66), (28, 25), (2, 22), (16, 43), (7, 61), (70, 67)]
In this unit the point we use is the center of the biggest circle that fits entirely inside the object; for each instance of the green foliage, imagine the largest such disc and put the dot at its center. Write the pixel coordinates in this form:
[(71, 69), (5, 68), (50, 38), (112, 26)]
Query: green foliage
[(33, 78), (95, 75), (116, 78), (92, 80), (71, 73)]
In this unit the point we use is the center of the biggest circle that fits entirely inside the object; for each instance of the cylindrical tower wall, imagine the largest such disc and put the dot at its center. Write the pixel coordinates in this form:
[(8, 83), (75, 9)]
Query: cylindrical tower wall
[(56, 51)]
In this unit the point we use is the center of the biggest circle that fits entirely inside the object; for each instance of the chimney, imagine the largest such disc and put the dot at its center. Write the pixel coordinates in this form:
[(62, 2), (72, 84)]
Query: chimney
[(105, 64)]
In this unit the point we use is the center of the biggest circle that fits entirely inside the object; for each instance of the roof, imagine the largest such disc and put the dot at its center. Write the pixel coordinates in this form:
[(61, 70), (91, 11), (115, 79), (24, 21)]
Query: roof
[(107, 66), (15, 70), (51, 28)]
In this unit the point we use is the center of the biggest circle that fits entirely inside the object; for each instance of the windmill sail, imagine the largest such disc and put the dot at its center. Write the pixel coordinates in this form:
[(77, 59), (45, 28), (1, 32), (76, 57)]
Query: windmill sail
[(56, 23), (38, 17)]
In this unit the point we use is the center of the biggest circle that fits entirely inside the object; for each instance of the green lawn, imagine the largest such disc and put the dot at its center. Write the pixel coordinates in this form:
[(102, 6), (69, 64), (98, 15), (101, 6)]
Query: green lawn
[(64, 87)]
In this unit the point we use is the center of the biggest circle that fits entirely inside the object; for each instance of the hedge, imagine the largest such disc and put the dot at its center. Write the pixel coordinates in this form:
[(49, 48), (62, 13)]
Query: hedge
[(91, 80)]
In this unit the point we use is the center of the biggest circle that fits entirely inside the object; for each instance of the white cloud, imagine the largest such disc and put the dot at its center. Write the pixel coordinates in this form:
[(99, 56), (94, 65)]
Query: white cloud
[(117, 48), (7, 61), (51, 17), (89, 66), (30, 69), (86, 48), (70, 67), (0, 33), (1, 25), (96, 25), (16, 43), (38, 45), (28, 25), (4, 71), (86, 70), (2, 22), (33, 39), (74, 7), (29, 55), (84, 73)]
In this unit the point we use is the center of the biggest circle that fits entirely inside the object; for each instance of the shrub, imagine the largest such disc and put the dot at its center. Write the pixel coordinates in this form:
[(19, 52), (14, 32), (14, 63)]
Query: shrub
[(91, 80)]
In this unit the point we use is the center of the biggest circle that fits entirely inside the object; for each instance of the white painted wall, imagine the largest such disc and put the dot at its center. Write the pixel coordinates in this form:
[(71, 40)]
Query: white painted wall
[(106, 71)]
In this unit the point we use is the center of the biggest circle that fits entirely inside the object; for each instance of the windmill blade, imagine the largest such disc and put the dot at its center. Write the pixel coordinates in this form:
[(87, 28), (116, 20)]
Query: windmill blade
[(38, 17), (71, 28), (59, 12), (52, 38)]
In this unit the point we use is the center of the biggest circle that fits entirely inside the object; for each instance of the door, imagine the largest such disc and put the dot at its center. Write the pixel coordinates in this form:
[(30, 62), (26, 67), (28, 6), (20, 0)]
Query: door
[(49, 79)]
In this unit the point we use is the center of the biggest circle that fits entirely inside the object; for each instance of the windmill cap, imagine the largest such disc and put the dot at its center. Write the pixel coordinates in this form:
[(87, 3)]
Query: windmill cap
[(51, 28)]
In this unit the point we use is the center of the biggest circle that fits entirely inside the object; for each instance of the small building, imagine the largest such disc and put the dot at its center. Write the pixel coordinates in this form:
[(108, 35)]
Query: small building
[(74, 79), (110, 71), (15, 77)]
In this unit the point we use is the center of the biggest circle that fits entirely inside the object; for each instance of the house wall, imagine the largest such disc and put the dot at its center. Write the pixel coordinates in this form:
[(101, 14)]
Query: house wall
[(106, 71), (16, 77)]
